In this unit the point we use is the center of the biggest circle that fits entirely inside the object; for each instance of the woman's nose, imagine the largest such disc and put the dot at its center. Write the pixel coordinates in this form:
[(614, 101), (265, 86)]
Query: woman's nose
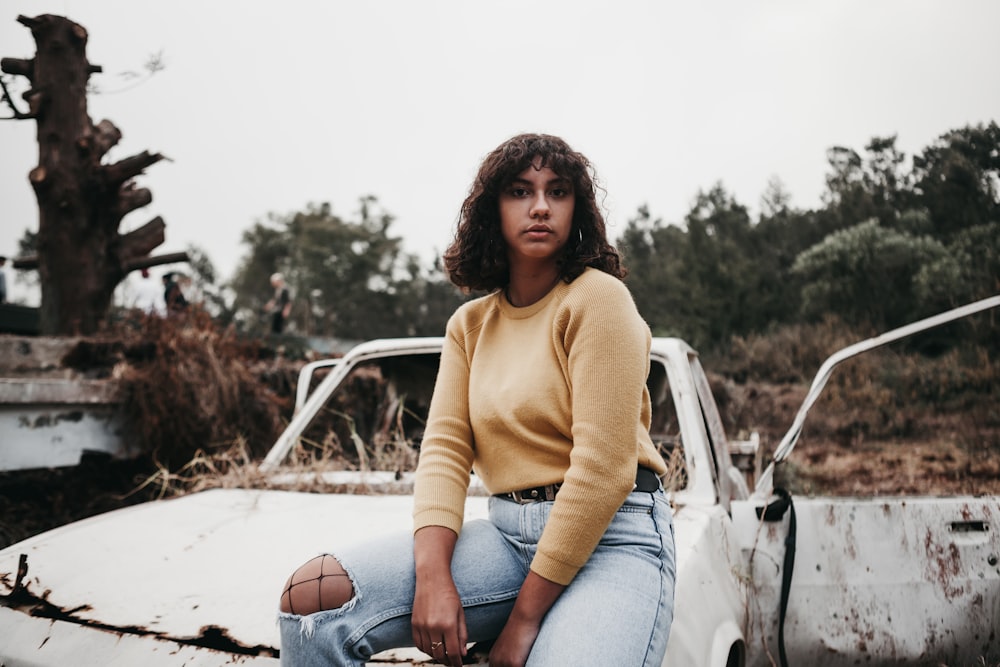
[(540, 206)]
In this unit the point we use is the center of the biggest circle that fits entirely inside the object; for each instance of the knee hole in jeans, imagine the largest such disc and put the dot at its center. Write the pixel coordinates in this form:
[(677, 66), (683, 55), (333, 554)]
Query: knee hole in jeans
[(320, 584)]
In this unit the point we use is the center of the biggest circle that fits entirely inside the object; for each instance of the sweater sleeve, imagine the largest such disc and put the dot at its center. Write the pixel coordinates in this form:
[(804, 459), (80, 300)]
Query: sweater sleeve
[(607, 361), (447, 450)]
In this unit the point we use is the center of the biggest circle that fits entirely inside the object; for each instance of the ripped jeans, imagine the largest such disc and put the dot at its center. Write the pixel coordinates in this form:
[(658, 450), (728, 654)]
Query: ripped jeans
[(616, 611)]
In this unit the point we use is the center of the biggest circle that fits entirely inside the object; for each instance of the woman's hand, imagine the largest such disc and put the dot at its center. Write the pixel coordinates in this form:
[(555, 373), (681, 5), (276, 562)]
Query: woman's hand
[(438, 619), (512, 647), (536, 597)]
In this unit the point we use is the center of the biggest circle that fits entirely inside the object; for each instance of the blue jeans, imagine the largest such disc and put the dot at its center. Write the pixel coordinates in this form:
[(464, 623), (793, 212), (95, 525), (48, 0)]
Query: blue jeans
[(616, 611)]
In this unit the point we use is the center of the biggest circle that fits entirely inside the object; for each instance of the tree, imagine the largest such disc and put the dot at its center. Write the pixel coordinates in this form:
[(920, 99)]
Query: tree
[(847, 202), (884, 180), (958, 178), (860, 188), (349, 279), (204, 278), (701, 282), (781, 233), (81, 201), (425, 299), (867, 275), (719, 236), (654, 254), (969, 271)]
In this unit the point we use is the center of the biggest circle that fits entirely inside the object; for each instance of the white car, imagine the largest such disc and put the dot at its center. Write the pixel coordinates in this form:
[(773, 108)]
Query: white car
[(195, 580)]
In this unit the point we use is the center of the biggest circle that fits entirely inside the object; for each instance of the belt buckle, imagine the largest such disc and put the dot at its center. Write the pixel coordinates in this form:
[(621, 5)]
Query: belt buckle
[(521, 499), (537, 494)]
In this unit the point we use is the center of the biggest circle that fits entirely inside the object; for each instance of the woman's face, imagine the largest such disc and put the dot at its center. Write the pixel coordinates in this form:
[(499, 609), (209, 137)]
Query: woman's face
[(536, 214)]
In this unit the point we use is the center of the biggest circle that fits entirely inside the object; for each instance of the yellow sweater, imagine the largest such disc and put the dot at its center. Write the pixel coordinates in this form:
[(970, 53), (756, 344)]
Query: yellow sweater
[(552, 392)]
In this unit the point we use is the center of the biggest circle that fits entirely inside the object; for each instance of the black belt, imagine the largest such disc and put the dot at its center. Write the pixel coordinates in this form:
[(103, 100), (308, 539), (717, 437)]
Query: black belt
[(646, 481)]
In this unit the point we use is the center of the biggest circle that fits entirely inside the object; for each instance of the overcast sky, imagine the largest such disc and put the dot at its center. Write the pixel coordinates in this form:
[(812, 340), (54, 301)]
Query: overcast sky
[(266, 107)]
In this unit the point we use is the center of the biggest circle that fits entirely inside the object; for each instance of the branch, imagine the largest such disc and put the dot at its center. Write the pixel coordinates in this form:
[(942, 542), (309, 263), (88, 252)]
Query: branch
[(35, 100), (104, 137), (140, 242), (130, 198), (18, 114), (37, 177), (146, 262), (25, 262), (19, 66), (123, 170), (29, 22)]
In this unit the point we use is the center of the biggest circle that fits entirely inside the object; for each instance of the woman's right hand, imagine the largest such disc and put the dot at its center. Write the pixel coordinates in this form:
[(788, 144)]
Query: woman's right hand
[(438, 619)]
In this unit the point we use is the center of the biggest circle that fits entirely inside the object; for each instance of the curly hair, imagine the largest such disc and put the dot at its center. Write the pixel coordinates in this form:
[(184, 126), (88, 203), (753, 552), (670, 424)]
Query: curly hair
[(477, 258)]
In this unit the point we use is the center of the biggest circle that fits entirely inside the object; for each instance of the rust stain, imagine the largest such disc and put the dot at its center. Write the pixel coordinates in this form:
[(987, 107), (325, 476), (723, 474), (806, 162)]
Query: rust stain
[(850, 541), (831, 517), (21, 598), (944, 562)]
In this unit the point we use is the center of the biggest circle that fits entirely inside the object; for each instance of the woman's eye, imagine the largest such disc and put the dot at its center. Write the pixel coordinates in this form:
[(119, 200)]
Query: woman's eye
[(519, 192), (559, 192)]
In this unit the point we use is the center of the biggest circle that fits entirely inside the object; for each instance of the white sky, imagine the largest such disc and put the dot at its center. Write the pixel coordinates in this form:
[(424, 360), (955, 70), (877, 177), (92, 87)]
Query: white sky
[(265, 107)]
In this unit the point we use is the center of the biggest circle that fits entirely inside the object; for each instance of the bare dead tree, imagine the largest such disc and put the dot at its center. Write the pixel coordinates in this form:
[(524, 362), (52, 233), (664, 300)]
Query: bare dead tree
[(81, 200)]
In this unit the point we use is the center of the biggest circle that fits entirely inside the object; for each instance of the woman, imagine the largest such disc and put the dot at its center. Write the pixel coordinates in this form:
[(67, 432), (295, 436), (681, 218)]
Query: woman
[(541, 392)]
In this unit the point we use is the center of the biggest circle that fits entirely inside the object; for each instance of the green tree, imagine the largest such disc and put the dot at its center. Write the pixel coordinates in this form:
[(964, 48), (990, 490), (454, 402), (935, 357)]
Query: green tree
[(781, 233), (969, 271), (651, 253), (204, 277), (719, 232), (698, 282), (957, 179), (846, 200), (348, 279), (862, 187), (866, 275), (425, 298), (884, 179)]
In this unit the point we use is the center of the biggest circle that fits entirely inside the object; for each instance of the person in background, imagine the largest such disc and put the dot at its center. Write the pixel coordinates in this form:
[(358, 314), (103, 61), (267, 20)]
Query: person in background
[(541, 392), (3, 280), (280, 305), (173, 297)]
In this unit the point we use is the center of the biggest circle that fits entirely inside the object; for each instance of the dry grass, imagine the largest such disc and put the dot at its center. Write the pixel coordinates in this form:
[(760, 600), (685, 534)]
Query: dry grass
[(890, 421), (186, 387), (676, 477)]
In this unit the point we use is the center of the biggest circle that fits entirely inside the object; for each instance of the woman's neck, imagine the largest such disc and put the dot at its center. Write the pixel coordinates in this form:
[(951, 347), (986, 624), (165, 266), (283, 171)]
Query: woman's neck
[(528, 286)]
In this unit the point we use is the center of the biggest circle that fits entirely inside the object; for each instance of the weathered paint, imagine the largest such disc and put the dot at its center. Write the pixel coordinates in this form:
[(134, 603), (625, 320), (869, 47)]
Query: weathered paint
[(52, 423), (202, 572), (708, 605), (879, 581), (199, 576)]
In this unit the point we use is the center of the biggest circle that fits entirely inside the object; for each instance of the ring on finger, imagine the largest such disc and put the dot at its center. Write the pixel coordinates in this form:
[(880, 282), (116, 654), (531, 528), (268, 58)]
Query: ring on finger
[(434, 645)]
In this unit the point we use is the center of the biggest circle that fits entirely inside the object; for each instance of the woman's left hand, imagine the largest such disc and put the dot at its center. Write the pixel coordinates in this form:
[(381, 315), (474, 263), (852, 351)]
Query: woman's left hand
[(513, 646), (536, 597)]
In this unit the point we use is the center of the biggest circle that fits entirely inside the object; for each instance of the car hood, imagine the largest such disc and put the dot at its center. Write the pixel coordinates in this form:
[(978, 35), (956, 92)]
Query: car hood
[(203, 569), (202, 573)]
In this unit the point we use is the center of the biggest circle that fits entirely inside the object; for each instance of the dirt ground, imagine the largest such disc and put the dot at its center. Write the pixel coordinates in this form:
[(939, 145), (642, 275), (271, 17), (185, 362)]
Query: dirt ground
[(890, 468)]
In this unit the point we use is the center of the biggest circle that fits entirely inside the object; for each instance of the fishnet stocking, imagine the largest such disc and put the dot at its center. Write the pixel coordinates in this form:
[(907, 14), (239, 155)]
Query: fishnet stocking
[(320, 584)]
